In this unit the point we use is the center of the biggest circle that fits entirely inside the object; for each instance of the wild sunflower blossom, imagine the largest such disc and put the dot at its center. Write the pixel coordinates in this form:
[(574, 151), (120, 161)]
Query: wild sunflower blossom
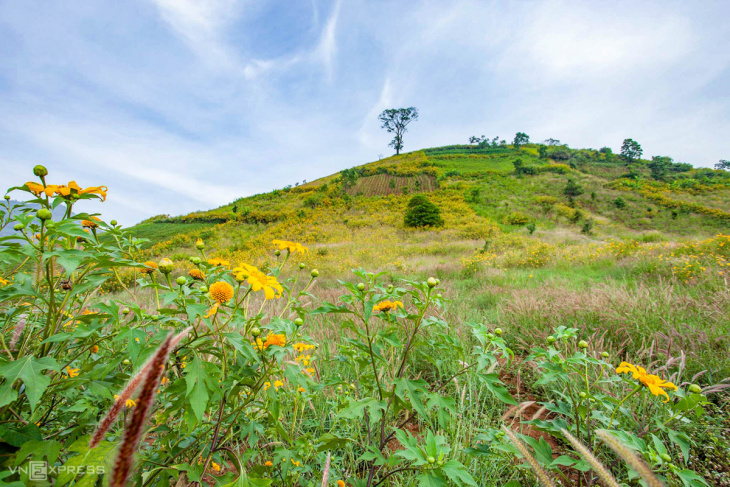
[(218, 262), (196, 274), (385, 306), (655, 383), (93, 222), (150, 267), (259, 281), (67, 191), (292, 247), (221, 291)]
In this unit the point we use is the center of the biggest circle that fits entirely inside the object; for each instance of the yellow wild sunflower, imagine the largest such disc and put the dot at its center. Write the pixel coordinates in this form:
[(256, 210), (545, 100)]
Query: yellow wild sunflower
[(385, 306), (93, 222), (221, 291), (150, 267), (654, 383), (292, 247), (196, 274)]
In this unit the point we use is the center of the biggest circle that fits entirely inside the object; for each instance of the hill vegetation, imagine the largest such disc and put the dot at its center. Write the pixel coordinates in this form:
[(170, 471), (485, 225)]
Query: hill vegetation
[(556, 316)]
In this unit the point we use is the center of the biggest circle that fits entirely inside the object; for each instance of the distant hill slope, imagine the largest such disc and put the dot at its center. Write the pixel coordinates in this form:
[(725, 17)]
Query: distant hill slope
[(480, 190)]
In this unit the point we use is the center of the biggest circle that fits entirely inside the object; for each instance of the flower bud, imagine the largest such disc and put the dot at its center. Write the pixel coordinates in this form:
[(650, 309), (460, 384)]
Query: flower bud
[(125, 311), (361, 286), (18, 227), (95, 349), (432, 282), (695, 389), (40, 171), (431, 460), (181, 281), (255, 331), (583, 344), (490, 336), (191, 258), (299, 322), (301, 265), (166, 266), (126, 361), (277, 252), (583, 395), (203, 289), (200, 245), (7, 197), (197, 260), (44, 214), (315, 273), (390, 289), (498, 332), (113, 223), (439, 296), (665, 457), (551, 339), (604, 354)]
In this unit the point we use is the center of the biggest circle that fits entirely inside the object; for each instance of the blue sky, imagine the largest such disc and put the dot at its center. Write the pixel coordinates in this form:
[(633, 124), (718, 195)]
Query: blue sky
[(179, 105)]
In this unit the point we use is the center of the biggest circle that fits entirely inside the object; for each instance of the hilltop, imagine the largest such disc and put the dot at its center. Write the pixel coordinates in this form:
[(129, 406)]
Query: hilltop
[(355, 218)]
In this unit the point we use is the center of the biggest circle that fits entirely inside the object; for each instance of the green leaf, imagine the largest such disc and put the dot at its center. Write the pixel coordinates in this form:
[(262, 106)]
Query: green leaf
[(496, 387), (91, 462), (691, 479), (197, 390), (413, 390), (30, 370), (458, 473), (429, 480), (330, 308), (682, 441)]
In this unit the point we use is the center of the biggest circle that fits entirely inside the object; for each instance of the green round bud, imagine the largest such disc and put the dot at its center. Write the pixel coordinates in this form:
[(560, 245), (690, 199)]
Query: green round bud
[(498, 332), (18, 227), (203, 289), (583, 344), (200, 245), (299, 322), (125, 311), (255, 331), (113, 223), (181, 281), (315, 273), (490, 336), (126, 361), (301, 265), (695, 389), (44, 214), (583, 395), (50, 225), (361, 286), (431, 460), (665, 457), (390, 289), (165, 266), (439, 296), (551, 339), (438, 282), (7, 197), (197, 260), (277, 252), (40, 171), (191, 258), (432, 282), (605, 354)]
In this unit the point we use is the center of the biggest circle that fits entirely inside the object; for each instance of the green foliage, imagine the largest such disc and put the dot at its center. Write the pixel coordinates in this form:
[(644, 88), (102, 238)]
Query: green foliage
[(516, 218), (421, 212), (521, 139), (659, 166), (631, 150), (572, 189), (395, 121)]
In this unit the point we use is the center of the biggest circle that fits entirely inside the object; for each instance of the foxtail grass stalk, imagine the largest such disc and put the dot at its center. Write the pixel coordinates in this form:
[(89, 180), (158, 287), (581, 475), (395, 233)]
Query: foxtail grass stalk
[(598, 467), (628, 456), (542, 476)]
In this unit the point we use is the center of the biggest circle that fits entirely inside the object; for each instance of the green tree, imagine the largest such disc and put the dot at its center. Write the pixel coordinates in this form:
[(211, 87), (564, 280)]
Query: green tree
[(659, 166), (631, 150), (395, 121), (572, 189), (723, 164), (542, 151), (521, 138), (421, 212), (519, 166)]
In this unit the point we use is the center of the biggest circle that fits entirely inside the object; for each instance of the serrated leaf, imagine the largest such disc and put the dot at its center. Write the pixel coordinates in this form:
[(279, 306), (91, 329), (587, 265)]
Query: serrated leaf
[(29, 369)]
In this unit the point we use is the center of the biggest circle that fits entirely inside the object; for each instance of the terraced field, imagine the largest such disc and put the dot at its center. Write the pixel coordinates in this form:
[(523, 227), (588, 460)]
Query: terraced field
[(385, 184)]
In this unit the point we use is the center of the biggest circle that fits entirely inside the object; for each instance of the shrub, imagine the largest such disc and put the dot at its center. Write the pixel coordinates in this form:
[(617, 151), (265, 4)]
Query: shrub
[(421, 212), (516, 218), (531, 227), (619, 202)]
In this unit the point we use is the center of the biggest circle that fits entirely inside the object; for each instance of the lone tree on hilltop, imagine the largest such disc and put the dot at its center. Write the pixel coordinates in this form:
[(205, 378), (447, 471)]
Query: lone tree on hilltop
[(631, 150), (723, 164), (521, 138), (395, 121), (422, 212)]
